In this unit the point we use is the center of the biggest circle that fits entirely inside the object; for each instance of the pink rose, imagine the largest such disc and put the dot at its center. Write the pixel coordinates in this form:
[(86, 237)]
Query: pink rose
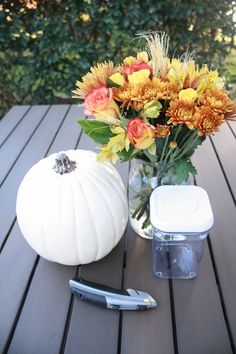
[(130, 69), (140, 134), (97, 100)]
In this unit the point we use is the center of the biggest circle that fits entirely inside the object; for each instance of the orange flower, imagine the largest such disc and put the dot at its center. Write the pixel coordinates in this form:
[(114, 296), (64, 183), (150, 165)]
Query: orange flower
[(181, 112), (161, 131), (140, 134), (208, 121), (137, 95), (217, 100), (94, 79)]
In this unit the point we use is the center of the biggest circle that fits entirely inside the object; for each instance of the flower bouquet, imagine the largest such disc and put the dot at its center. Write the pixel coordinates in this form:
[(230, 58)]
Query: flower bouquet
[(155, 111)]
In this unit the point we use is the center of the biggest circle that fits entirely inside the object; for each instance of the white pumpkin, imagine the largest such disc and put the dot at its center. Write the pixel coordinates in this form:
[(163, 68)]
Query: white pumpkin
[(76, 217)]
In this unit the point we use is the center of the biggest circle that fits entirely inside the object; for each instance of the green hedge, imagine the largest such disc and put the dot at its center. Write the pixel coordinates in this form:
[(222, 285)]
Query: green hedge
[(45, 46)]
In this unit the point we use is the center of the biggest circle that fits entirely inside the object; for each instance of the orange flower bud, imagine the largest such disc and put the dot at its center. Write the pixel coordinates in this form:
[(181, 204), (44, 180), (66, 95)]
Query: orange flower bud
[(161, 131), (173, 144)]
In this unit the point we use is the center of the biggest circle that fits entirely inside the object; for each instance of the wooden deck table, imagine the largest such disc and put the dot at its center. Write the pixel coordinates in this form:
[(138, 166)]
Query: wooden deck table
[(39, 315)]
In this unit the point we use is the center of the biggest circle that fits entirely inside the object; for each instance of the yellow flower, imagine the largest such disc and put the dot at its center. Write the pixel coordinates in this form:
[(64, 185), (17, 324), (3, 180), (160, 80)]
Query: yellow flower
[(96, 78), (188, 95), (108, 115), (129, 60), (117, 130), (85, 17), (142, 56), (107, 155), (210, 81), (117, 143), (151, 109), (176, 73), (139, 77), (118, 79)]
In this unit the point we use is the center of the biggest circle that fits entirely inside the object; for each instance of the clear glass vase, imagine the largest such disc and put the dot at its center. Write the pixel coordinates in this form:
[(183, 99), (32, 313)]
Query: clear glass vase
[(144, 177)]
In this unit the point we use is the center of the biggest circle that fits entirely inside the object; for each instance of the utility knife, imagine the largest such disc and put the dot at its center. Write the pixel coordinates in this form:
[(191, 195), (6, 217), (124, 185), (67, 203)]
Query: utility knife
[(111, 298)]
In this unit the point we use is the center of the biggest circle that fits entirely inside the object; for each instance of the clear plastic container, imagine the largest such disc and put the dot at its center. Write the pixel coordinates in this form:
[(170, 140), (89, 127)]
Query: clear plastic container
[(181, 217)]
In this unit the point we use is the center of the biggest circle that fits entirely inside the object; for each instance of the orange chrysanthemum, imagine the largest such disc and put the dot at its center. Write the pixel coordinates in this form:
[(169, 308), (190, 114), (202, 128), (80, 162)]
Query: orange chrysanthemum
[(96, 78), (161, 131), (208, 121), (217, 100), (181, 112), (137, 95)]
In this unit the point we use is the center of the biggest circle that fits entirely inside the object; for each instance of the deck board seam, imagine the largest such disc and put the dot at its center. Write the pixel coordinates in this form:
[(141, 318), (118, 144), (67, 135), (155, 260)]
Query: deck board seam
[(68, 319), (231, 129), (222, 302), (72, 299), (120, 325), (223, 171), (14, 219), (173, 318), (8, 234), (57, 131), (23, 148), (20, 120), (22, 302), (18, 314)]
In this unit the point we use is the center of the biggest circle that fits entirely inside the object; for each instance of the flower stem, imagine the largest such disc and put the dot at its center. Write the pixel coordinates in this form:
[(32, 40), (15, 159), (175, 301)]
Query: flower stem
[(188, 145), (138, 212), (164, 148), (177, 132)]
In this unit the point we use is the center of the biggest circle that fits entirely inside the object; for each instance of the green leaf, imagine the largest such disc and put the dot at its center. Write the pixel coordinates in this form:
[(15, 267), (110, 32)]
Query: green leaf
[(111, 83), (127, 155), (151, 157), (152, 149), (183, 168), (100, 132), (124, 121)]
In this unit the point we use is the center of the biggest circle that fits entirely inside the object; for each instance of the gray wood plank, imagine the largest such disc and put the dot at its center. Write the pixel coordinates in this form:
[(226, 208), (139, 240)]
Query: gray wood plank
[(69, 132), (19, 268), (225, 145), (146, 331), (41, 324), (202, 292), (94, 329), (10, 120), (16, 263), (54, 294), (102, 325), (223, 233), (200, 323), (16, 142), (35, 150)]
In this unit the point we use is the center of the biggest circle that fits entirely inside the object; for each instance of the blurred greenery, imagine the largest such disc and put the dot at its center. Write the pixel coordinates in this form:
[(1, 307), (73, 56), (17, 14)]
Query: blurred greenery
[(45, 46)]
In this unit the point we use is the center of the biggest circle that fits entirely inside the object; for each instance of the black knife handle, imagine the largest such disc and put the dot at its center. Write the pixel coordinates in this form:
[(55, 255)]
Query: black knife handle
[(89, 297), (100, 286)]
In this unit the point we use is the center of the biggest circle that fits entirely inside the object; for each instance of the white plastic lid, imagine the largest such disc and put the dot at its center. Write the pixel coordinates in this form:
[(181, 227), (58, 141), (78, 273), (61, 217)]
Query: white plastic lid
[(184, 209)]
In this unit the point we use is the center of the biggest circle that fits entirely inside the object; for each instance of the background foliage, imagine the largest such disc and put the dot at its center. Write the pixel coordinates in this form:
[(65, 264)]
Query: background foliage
[(45, 46)]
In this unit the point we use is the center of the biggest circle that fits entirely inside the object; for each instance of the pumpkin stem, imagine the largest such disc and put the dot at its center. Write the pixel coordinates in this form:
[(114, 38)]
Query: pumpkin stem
[(63, 164)]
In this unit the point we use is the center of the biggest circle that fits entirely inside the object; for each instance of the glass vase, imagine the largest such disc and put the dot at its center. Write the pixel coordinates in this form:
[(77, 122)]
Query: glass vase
[(144, 177)]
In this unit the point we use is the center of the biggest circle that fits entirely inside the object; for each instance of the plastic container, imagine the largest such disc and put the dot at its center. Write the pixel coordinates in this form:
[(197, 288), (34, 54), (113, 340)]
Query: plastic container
[(181, 217)]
